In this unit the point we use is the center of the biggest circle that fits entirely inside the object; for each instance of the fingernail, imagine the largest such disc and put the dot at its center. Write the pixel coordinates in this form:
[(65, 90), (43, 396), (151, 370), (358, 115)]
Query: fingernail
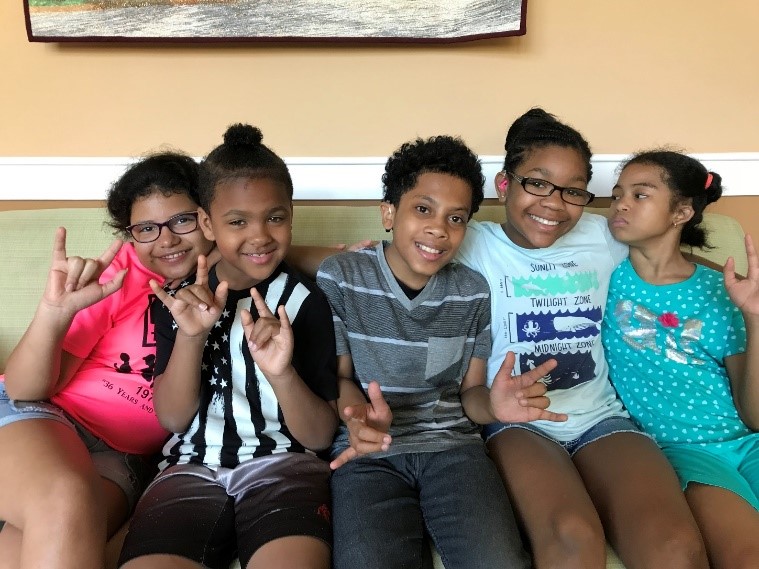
[(203, 306)]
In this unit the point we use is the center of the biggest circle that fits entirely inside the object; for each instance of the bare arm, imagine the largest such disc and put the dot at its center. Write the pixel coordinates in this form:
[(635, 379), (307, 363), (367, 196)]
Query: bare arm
[(307, 258), (37, 368), (743, 369), (176, 392), (519, 398)]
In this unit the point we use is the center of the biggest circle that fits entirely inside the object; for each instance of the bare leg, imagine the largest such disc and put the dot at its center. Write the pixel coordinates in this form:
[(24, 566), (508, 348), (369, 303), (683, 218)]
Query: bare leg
[(639, 499), (10, 547), (550, 500), (117, 506), (53, 496), (117, 509), (729, 524), (161, 562), (299, 551)]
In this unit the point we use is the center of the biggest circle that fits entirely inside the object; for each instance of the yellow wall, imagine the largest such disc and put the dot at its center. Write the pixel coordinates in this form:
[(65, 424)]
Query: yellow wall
[(628, 73)]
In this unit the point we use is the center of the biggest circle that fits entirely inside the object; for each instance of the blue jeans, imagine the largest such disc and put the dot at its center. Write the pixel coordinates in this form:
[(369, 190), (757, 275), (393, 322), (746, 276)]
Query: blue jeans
[(384, 509)]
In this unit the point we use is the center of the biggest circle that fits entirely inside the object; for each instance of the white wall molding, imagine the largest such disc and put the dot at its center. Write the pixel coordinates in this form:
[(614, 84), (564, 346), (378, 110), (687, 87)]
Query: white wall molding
[(315, 178)]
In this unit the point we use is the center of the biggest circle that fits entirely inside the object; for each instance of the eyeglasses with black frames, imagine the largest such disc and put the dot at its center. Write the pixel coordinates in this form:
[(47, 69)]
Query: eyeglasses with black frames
[(542, 188), (149, 231)]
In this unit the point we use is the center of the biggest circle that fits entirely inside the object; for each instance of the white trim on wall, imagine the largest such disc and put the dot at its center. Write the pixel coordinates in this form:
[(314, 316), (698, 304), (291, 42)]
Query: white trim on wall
[(59, 178)]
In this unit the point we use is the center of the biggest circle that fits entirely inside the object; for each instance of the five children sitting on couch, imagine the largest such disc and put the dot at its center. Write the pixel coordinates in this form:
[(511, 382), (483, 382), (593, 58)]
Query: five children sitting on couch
[(247, 380)]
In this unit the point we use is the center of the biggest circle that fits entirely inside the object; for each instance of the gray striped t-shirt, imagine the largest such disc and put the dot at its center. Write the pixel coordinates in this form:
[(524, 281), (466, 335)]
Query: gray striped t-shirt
[(418, 350)]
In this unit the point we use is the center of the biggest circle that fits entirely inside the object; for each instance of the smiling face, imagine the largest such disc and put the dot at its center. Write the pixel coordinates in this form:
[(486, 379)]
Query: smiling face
[(641, 209), (428, 227), (535, 222), (173, 256), (251, 221)]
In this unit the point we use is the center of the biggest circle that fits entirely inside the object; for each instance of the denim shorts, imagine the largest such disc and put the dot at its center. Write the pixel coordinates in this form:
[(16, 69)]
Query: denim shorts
[(130, 472), (604, 428)]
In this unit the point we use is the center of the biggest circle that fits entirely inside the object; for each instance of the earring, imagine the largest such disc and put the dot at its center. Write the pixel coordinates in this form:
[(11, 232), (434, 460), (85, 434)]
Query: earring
[(674, 224)]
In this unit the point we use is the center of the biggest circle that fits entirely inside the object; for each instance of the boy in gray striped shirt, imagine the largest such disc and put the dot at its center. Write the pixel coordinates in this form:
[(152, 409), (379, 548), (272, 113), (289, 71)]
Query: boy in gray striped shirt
[(413, 337)]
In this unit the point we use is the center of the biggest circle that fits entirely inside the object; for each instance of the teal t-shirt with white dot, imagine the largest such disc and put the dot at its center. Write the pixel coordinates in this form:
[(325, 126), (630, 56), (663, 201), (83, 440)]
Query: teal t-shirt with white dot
[(666, 345)]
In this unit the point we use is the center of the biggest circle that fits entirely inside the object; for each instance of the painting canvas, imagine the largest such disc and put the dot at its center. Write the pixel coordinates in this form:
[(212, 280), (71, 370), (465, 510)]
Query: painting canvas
[(273, 20)]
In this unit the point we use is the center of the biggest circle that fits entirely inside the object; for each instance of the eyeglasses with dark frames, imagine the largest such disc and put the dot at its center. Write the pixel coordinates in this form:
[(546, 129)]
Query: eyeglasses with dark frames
[(149, 231), (543, 188)]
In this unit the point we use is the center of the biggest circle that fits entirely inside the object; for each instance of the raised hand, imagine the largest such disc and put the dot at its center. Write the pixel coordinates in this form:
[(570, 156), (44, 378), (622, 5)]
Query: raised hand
[(521, 398), (195, 308), (744, 292), (72, 282), (270, 340), (368, 425)]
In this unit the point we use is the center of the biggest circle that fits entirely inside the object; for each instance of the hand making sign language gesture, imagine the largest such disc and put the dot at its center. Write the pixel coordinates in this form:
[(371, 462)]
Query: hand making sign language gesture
[(72, 282), (368, 425), (195, 308), (270, 340), (743, 370), (744, 292), (521, 398), (72, 285)]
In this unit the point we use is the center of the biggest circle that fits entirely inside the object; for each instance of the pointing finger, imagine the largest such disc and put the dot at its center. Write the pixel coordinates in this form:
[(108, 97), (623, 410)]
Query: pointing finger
[(201, 273), (59, 244), (258, 301)]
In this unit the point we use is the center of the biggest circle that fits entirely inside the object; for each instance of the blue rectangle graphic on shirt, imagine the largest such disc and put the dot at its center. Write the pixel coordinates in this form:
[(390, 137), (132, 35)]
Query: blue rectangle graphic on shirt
[(538, 327), (572, 369)]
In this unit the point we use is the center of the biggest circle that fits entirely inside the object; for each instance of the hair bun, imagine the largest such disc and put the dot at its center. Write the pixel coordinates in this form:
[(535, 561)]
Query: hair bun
[(243, 135), (536, 119), (714, 190)]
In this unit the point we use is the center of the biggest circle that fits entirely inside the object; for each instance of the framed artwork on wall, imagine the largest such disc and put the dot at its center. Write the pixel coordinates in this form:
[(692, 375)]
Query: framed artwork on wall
[(431, 21)]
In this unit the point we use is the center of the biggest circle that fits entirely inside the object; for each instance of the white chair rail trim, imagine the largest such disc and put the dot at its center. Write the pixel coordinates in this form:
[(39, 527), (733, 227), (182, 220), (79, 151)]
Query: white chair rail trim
[(316, 178)]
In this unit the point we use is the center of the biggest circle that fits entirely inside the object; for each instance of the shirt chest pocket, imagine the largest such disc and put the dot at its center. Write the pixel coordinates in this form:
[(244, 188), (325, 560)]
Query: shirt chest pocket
[(445, 359)]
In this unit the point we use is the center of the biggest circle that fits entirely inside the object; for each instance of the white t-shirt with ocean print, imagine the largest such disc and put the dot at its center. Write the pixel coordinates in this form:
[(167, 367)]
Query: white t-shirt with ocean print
[(549, 303)]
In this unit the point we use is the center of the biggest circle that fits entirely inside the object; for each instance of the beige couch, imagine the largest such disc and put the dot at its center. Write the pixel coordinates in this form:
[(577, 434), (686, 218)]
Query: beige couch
[(27, 236)]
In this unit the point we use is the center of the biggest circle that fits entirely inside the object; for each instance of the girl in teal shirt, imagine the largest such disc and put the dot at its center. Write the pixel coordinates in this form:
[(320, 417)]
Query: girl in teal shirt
[(682, 343)]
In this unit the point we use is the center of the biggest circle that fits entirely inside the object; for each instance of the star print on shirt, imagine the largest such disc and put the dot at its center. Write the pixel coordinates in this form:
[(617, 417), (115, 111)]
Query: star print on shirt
[(217, 369)]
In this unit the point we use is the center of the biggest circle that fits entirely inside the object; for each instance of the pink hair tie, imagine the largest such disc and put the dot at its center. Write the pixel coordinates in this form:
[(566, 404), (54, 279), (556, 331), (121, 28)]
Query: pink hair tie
[(709, 179)]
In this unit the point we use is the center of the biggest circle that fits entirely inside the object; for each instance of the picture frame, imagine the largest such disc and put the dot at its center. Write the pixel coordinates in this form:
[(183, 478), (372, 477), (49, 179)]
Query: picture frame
[(348, 21)]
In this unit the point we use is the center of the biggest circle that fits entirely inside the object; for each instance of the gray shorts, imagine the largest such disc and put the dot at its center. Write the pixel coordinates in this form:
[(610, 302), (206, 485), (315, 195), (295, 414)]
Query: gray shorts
[(130, 472), (604, 428), (210, 516)]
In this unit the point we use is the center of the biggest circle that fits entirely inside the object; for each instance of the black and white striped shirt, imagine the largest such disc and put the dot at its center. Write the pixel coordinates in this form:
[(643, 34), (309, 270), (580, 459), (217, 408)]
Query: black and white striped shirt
[(239, 417)]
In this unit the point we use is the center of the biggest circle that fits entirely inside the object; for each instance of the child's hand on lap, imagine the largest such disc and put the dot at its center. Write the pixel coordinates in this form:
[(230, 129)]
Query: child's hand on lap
[(195, 308), (521, 398), (72, 282), (270, 340), (368, 425)]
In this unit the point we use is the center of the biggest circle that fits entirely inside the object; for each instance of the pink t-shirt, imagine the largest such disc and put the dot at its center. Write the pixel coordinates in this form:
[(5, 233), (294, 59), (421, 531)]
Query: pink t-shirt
[(111, 394)]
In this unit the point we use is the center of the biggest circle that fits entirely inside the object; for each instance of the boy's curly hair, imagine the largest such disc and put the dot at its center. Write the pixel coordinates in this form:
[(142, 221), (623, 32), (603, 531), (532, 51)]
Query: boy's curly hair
[(437, 154)]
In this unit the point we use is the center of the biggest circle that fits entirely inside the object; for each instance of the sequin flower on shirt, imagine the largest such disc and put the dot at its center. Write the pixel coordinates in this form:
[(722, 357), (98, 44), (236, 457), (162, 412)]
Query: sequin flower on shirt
[(669, 320)]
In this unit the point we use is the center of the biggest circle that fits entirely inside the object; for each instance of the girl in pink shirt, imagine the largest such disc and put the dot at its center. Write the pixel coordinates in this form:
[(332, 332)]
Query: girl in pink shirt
[(76, 414)]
